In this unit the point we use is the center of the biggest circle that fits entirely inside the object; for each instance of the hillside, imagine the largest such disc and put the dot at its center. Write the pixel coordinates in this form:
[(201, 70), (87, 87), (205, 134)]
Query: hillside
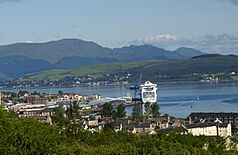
[(153, 70), (20, 59), (17, 66), (189, 52)]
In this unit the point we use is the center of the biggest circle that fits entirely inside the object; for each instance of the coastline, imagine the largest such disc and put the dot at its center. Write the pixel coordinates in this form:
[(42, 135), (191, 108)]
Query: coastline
[(121, 84)]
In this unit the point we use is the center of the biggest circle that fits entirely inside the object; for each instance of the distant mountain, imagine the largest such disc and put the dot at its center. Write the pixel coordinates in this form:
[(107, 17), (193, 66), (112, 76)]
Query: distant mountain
[(4, 77), (23, 58), (53, 51), (189, 52), (144, 52), (17, 66)]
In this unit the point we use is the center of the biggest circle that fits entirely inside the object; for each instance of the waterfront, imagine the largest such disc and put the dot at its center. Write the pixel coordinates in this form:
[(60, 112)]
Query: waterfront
[(177, 99)]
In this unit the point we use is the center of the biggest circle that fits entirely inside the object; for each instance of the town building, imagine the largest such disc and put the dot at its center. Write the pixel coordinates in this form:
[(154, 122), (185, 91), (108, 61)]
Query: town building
[(209, 129), (212, 116)]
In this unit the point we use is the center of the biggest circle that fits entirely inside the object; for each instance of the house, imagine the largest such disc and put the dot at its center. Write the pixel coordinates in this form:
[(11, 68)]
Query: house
[(209, 129), (161, 121), (44, 119), (143, 128), (105, 120), (176, 123), (212, 116), (34, 112), (37, 100)]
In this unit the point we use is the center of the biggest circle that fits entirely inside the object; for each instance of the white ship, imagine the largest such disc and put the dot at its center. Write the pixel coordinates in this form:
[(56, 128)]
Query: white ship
[(148, 92)]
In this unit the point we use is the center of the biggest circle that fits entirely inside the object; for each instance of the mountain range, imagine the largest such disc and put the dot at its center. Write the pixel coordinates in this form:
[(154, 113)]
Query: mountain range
[(20, 59)]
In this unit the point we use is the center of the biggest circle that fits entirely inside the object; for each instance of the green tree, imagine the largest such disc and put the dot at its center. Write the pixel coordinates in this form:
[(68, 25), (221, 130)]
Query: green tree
[(60, 92), (22, 93), (13, 95), (155, 109), (59, 117), (121, 111), (69, 111), (73, 111), (137, 111), (29, 136), (76, 109), (107, 110), (114, 114), (147, 109), (108, 127), (35, 93)]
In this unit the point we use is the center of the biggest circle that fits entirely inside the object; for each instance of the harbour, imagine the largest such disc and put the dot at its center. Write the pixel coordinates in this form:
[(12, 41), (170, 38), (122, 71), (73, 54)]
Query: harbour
[(176, 99)]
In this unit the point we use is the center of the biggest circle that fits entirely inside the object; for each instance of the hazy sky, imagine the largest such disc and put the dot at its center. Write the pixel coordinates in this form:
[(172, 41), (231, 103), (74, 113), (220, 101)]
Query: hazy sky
[(208, 25)]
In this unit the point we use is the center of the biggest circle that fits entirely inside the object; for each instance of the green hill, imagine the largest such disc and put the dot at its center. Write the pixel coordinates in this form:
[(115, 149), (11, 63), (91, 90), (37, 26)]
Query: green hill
[(153, 70)]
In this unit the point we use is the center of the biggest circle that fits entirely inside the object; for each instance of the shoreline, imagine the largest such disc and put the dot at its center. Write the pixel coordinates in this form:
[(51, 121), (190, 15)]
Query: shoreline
[(130, 84)]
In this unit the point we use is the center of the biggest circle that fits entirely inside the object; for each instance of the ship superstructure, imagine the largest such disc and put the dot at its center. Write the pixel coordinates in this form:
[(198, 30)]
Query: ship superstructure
[(148, 92)]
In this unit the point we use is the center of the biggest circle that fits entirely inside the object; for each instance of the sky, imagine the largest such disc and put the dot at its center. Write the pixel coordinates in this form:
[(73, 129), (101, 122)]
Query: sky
[(207, 25)]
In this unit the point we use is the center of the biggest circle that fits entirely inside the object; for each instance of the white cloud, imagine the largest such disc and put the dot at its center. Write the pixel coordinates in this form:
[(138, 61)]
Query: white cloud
[(222, 43), (160, 39), (28, 41)]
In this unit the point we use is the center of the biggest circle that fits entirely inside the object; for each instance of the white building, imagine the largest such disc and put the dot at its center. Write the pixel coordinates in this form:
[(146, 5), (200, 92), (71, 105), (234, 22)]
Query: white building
[(149, 92), (209, 129)]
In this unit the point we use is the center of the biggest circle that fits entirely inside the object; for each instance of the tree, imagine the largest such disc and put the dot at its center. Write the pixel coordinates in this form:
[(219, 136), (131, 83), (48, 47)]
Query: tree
[(74, 126), (76, 109), (114, 114), (69, 111), (13, 95), (22, 93), (137, 111), (60, 92), (147, 109), (107, 110), (72, 111), (155, 109), (121, 111), (59, 116), (108, 127), (35, 93)]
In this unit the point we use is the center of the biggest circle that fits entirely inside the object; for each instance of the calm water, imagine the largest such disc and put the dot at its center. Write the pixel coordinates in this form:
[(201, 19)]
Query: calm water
[(177, 99)]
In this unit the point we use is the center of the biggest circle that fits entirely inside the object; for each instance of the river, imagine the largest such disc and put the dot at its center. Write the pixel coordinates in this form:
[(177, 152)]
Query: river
[(176, 99)]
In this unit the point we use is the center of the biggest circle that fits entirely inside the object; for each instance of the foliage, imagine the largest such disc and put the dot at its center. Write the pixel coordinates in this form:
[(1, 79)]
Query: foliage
[(28, 136), (147, 109), (60, 92), (59, 118), (121, 111), (137, 111), (22, 93), (155, 109), (35, 93), (108, 127), (107, 110)]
